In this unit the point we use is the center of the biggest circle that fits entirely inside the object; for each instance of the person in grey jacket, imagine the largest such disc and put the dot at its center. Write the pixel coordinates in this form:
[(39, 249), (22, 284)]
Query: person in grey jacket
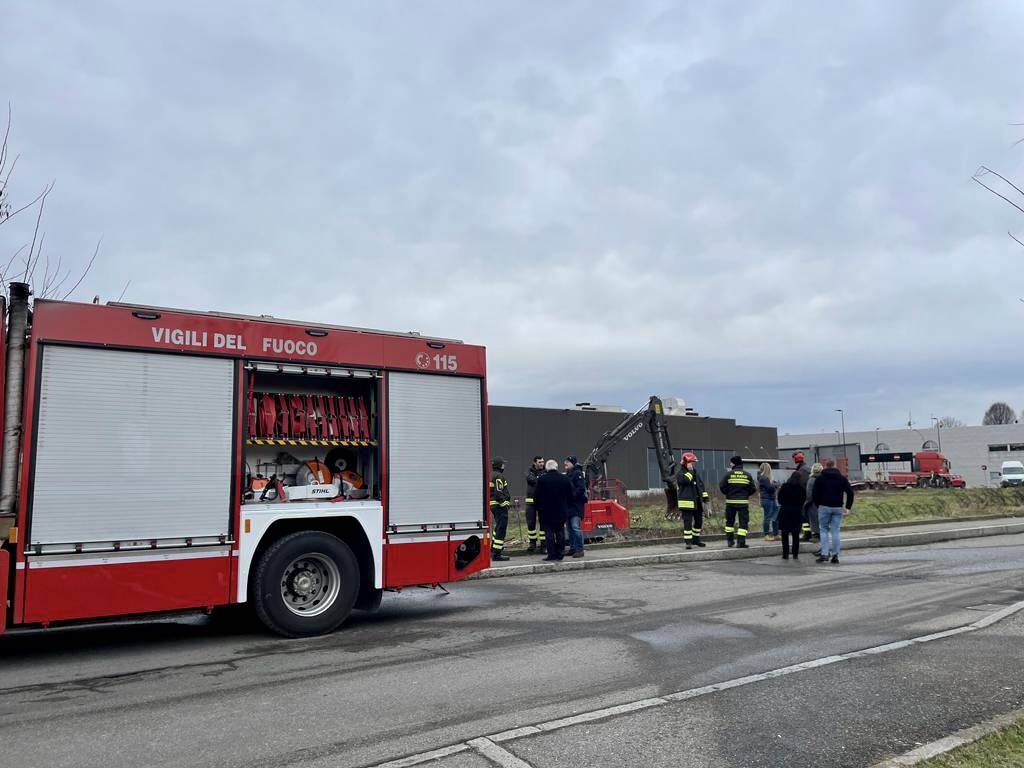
[(810, 526)]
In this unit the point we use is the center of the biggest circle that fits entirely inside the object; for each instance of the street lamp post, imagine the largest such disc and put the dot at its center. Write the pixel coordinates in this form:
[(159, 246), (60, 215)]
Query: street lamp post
[(885, 465), (938, 431), (842, 421)]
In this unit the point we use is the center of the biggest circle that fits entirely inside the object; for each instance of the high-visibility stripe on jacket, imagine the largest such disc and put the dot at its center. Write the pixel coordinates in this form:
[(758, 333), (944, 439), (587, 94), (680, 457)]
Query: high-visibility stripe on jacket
[(737, 487), (501, 497)]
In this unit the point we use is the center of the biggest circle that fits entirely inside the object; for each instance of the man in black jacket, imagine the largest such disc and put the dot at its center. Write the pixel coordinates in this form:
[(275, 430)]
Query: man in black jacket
[(574, 472), (534, 533), (830, 490), (553, 499)]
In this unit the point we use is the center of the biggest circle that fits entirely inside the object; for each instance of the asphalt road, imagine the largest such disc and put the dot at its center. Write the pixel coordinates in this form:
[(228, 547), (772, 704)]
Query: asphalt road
[(431, 670)]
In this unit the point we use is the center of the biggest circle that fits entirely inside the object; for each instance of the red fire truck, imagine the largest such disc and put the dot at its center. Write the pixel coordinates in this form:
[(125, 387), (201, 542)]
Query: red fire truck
[(159, 460)]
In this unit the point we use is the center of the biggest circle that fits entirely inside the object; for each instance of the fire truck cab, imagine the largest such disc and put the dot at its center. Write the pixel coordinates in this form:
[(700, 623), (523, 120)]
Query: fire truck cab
[(159, 460)]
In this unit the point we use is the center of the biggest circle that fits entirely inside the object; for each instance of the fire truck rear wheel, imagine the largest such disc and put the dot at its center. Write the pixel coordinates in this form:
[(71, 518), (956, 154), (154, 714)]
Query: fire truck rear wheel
[(305, 584)]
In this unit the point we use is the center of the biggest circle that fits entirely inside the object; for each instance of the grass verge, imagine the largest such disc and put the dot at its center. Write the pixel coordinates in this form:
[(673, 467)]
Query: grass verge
[(1002, 749)]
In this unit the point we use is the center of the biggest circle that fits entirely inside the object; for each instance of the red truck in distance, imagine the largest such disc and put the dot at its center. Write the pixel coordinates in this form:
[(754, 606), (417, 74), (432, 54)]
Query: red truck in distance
[(928, 469)]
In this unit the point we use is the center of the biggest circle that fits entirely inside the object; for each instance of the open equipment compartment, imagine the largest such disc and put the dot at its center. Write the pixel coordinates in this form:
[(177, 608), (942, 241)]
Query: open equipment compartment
[(311, 433)]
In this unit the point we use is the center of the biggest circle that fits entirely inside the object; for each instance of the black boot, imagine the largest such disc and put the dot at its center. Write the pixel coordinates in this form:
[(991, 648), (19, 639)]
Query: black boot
[(498, 557), (807, 536), (697, 542), (729, 540), (742, 542)]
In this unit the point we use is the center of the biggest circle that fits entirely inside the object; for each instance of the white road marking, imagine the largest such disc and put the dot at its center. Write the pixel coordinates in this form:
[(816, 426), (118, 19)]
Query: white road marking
[(497, 754), (880, 649), (488, 745), (425, 757), (600, 714), (997, 616), (515, 733)]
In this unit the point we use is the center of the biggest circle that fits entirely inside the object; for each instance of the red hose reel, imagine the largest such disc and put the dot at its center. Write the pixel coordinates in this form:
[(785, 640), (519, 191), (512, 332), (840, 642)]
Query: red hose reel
[(313, 417)]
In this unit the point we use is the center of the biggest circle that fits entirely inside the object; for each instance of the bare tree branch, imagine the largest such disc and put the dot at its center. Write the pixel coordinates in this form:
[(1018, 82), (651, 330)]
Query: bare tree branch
[(39, 251), (5, 206), (996, 173), (87, 268), (7, 134), (35, 232), (46, 270), (986, 186), (10, 170), (55, 274), (56, 286), (38, 197), (49, 282), (1018, 241), (3, 275)]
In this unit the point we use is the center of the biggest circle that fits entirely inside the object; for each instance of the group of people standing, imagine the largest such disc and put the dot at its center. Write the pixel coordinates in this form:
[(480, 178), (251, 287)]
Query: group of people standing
[(809, 505), (554, 508)]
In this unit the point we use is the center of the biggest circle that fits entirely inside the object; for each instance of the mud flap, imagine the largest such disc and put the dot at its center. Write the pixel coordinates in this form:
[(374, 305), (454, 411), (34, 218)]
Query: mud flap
[(467, 552)]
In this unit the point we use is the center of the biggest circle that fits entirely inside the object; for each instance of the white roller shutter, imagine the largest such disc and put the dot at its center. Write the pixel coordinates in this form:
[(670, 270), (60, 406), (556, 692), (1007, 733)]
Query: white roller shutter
[(435, 450), (131, 446)]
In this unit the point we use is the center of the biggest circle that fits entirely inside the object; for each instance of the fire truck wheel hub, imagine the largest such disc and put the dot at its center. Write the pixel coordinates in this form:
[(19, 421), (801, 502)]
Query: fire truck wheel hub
[(310, 584)]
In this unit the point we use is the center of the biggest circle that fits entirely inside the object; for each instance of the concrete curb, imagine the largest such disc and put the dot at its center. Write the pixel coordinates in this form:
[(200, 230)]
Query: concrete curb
[(958, 739), (655, 541), (755, 550)]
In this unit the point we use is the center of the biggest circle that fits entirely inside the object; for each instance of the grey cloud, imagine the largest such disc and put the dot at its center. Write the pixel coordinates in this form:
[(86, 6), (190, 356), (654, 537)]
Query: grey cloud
[(708, 200)]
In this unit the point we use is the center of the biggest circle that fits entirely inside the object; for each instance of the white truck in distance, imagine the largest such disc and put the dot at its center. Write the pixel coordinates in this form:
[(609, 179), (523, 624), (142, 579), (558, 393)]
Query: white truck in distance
[(1011, 473)]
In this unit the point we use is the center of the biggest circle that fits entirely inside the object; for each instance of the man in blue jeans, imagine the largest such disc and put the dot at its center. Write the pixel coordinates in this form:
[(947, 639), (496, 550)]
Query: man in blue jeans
[(830, 491), (579, 495)]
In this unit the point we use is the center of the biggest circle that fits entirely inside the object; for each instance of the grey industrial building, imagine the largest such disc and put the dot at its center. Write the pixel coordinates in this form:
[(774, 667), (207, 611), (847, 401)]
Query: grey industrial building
[(517, 434), (974, 452)]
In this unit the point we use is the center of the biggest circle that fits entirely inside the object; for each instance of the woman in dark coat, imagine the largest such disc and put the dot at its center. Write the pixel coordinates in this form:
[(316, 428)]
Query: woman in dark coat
[(791, 500)]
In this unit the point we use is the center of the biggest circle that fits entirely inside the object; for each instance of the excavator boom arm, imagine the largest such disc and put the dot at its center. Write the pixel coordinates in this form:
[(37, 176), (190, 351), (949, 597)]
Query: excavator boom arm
[(650, 417)]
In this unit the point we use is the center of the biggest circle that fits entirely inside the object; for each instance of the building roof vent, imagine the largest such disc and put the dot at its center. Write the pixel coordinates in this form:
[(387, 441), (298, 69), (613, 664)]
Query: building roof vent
[(598, 407)]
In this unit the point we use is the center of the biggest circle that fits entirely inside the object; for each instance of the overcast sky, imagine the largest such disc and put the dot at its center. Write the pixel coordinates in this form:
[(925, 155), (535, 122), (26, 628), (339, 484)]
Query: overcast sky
[(764, 208)]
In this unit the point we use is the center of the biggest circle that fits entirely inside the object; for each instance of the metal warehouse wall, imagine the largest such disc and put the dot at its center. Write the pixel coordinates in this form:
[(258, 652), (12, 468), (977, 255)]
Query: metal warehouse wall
[(967, 448), (518, 434)]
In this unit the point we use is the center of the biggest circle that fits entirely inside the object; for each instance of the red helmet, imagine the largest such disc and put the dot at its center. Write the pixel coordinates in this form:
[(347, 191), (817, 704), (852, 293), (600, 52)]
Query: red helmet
[(689, 457), (798, 457)]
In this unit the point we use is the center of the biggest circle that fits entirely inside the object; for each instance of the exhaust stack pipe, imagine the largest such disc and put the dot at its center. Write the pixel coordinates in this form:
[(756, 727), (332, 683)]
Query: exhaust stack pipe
[(14, 378)]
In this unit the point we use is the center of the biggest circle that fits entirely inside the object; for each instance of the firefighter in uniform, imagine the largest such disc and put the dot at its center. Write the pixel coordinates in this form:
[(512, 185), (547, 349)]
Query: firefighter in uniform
[(737, 486), (534, 532), (501, 500), (691, 498)]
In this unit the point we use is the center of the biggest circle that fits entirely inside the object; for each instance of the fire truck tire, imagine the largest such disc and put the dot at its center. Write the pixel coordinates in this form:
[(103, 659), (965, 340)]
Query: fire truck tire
[(305, 584)]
